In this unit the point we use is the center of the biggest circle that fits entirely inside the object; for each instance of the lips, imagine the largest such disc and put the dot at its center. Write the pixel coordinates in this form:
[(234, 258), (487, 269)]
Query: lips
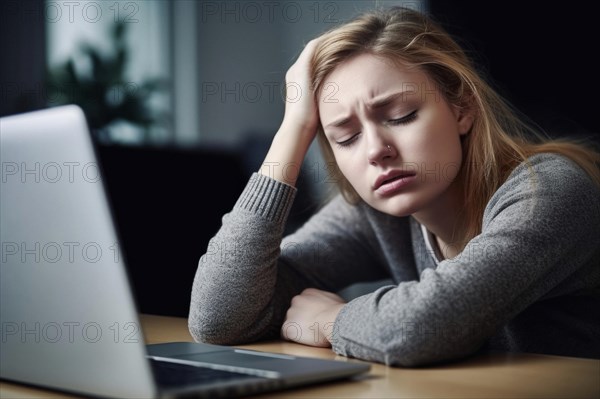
[(390, 177)]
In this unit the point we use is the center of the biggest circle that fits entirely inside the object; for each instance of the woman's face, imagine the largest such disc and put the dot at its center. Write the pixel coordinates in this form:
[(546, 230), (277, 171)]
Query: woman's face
[(393, 135)]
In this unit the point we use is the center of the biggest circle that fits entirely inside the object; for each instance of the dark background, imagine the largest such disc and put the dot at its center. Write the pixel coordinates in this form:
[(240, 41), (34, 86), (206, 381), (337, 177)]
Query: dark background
[(540, 55), (168, 201)]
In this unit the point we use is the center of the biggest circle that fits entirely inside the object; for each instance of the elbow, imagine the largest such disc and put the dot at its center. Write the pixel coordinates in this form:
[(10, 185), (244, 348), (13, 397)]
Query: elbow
[(215, 327), (205, 325), (209, 331), (208, 323), (215, 318), (200, 333)]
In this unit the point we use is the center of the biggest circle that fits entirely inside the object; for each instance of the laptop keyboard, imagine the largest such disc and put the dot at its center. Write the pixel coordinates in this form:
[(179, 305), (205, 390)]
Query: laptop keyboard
[(174, 375)]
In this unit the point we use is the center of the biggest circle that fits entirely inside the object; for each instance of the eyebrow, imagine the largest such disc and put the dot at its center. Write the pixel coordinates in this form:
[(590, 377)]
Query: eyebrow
[(385, 100), (375, 104), (339, 123)]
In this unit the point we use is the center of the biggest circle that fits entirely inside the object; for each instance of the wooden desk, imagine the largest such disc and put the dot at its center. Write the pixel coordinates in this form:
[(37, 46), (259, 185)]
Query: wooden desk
[(496, 375)]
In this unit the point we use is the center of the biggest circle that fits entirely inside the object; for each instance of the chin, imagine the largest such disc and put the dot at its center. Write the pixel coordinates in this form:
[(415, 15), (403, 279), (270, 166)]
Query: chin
[(399, 206), (398, 212)]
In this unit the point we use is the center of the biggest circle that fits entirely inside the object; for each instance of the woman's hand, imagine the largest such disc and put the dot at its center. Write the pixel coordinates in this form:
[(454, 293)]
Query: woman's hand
[(299, 125), (311, 317), (300, 106)]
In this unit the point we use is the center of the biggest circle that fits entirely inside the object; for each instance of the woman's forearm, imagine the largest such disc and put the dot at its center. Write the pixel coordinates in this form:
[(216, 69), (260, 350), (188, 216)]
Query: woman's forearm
[(287, 152)]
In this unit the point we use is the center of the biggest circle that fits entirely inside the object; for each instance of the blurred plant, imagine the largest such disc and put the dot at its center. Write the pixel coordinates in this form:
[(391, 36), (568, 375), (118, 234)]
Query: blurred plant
[(104, 94)]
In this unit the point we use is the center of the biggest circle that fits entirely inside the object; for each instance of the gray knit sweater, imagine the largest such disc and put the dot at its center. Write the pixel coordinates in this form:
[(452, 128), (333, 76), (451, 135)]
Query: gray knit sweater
[(529, 282)]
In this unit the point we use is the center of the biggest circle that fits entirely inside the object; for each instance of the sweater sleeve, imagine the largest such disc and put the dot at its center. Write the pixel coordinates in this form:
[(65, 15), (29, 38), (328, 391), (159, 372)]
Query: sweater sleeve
[(538, 229), (246, 279)]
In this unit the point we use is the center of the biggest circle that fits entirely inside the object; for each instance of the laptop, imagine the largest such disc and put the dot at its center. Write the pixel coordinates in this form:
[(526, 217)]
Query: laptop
[(68, 316)]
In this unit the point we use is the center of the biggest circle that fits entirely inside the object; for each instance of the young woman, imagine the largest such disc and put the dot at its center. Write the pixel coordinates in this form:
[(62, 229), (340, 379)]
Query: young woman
[(491, 238)]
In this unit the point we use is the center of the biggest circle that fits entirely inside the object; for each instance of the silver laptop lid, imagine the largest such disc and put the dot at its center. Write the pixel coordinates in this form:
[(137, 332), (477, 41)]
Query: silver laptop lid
[(66, 311)]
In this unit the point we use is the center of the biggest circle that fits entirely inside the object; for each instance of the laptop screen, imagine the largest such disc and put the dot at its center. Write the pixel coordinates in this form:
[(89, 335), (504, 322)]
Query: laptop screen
[(66, 308)]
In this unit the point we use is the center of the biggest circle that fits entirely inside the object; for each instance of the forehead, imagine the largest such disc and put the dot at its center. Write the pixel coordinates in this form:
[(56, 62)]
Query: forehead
[(365, 77)]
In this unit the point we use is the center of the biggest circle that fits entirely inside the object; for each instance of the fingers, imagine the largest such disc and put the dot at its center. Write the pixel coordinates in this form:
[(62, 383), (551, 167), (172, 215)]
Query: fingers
[(310, 47), (306, 55), (300, 108), (311, 317)]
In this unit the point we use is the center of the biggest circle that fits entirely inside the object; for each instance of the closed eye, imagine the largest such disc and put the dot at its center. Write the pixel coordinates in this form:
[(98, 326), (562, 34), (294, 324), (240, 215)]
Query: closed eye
[(393, 122), (349, 142), (404, 120)]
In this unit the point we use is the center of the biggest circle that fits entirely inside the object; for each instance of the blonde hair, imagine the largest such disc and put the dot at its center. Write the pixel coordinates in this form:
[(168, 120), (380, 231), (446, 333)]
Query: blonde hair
[(498, 141)]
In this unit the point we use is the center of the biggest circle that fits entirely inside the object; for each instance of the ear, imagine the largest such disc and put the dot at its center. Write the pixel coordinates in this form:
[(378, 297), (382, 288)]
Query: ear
[(464, 117)]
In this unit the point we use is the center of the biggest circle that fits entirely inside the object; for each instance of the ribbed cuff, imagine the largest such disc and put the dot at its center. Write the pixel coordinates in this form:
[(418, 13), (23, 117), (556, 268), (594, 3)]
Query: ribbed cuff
[(267, 197)]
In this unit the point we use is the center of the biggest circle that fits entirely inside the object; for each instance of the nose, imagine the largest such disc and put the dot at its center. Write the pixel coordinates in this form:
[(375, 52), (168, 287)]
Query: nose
[(379, 150)]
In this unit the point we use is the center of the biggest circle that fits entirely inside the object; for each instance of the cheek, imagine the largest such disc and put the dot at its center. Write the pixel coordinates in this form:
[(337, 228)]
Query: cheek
[(349, 168), (344, 164), (438, 139), (444, 155)]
